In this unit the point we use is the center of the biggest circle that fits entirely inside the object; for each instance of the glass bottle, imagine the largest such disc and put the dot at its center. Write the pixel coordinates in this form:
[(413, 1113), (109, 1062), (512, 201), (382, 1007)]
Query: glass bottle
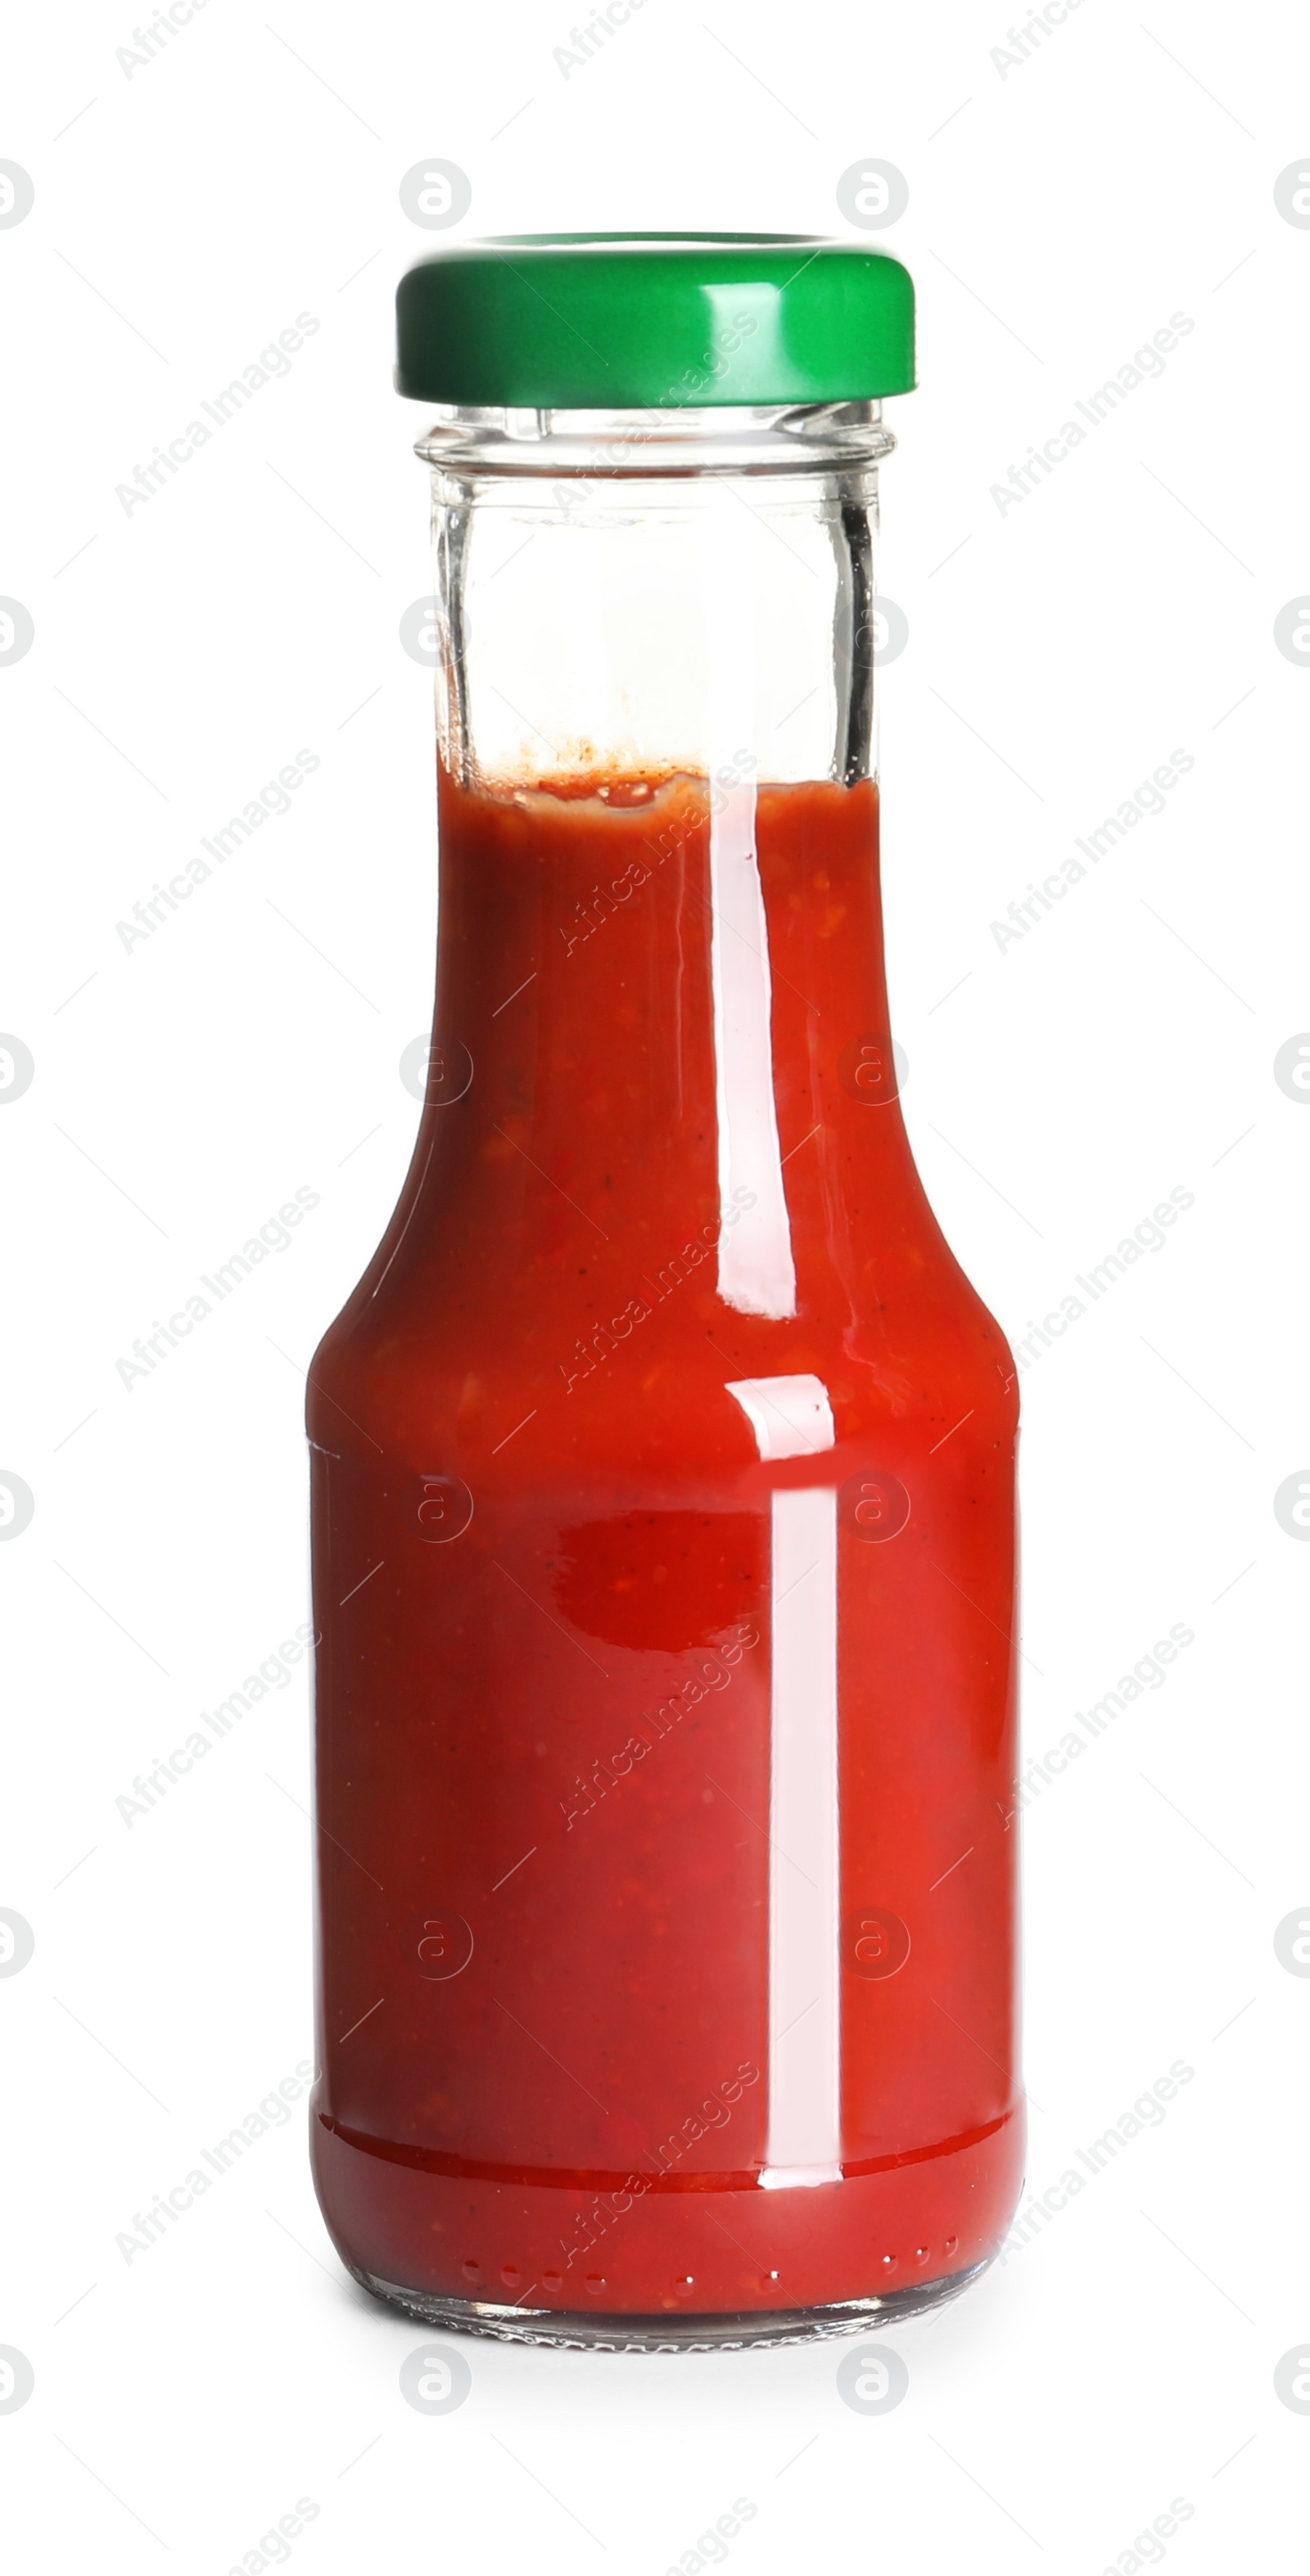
[(663, 1459)]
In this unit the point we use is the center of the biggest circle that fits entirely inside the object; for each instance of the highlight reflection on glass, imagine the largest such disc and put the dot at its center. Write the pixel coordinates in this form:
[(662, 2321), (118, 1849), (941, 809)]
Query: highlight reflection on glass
[(792, 1418)]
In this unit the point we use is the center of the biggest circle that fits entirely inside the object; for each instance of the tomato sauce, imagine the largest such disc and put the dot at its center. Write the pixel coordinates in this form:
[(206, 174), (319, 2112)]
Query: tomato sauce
[(663, 1472)]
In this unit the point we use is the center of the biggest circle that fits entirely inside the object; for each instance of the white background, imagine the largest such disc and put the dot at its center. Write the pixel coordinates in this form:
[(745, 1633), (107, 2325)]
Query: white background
[(1060, 210)]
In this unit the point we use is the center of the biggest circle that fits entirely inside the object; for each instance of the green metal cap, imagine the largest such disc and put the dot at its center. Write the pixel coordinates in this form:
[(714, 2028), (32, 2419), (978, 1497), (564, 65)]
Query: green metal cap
[(612, 321)]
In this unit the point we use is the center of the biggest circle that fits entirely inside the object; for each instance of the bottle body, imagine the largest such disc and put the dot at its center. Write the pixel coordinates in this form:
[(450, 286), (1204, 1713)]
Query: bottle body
[(664, 1585)]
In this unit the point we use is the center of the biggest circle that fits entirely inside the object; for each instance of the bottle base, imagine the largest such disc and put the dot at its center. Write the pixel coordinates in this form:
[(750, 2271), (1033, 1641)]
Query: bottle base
[(579, 2331), (670, 2267)]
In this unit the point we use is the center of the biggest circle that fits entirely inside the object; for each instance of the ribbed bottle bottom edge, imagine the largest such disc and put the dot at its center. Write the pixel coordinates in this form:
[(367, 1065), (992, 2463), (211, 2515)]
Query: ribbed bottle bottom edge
[(571, 2330)]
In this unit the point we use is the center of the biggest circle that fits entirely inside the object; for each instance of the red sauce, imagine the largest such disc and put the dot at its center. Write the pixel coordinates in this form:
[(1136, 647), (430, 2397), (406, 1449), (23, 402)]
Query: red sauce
[(547, 1553)]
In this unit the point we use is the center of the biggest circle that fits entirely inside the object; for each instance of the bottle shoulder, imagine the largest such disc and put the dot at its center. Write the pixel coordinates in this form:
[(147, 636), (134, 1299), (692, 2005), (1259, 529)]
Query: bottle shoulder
[(659, 1366), (621, 1291)]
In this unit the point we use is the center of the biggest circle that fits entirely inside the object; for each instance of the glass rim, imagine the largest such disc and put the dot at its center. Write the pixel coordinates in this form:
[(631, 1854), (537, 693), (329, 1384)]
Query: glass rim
[(649, 442)]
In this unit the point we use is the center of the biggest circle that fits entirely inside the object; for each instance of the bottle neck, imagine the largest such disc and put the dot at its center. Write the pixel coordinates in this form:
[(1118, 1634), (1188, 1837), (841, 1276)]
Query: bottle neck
[(654, 999), (668, 618), (661, 1014)]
